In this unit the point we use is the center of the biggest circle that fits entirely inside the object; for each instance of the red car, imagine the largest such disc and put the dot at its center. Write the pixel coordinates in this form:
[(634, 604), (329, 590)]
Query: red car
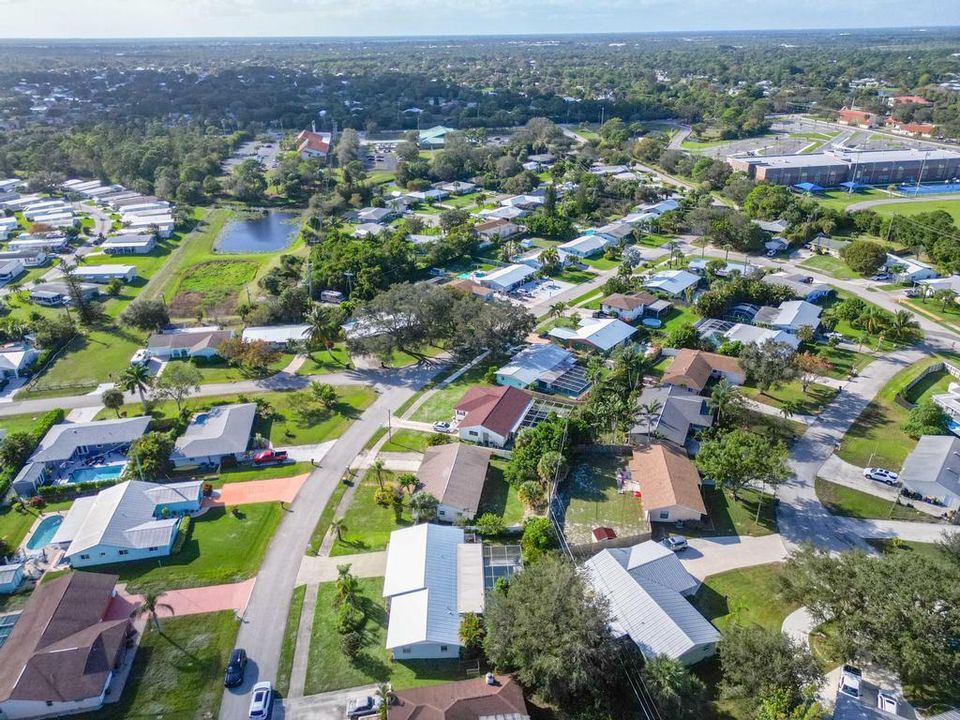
[(265, 457)]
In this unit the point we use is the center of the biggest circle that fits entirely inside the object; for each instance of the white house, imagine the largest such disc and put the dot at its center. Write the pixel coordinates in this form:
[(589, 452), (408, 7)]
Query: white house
[(497, 229), (699, 266), (164, 225), (454, 474), (31, 258), (585, 246), (790, 316), (647, 588), (632, 307), (432, 578), (55, 294), (130, 521), (132, 244), (907, 270), (933, 469), (672, 282), (49, 243), (15, 358), (11, 269), (106, 273), (187, 343), (215, 434), (276, 335), (11, 576), (491, 415), (7, 225), (601, 334), (506, 278)]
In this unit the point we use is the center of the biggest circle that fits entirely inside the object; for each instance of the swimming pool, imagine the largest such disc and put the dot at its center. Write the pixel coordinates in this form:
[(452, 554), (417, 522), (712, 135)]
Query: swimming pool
[(96, 473), (932, 189), (44, 533)]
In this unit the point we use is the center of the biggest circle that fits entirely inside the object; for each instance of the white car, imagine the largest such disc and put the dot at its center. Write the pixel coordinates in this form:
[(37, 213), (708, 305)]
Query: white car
[(261, 700), (442, 427), (850, 678), (880, 475), (887, 702), (675, 542)]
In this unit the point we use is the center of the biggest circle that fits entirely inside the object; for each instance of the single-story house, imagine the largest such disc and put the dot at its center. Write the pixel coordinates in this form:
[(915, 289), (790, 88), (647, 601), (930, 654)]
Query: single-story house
[(491, 415), (933, 469), (497, 697), (54, 294), (11, 577), (802, 286), (828, 246), (15, 358), (11, 269), (631, 308), (616, 231), (659, 208), (776, 245), (50, 242), (34, 257), (497, 229), (506, 278), (908, 270), (721, 331), (951, 283), (647, 588), (276, 335), (375, 215), (454, 474), (129, 244), (67, 442), (7, 226), (669, 483), (432, 578), (601, 334), (215, 434), (64, 651), (542, 158), (369, 229), (533, 258), (187, 343), (699, 266), (430, 195), (527, 201), (503, 213), (106, 273), (586, 245), (457, 187), (681, 412), (131, 521), (469, 286), (163, 225), (536, 366), (672, 282), (774, 227), (790, 316), (693, 369)]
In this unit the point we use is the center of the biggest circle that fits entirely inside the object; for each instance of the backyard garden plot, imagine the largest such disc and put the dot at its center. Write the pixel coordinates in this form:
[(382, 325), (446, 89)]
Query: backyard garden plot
[(213, 287), (590, 498)]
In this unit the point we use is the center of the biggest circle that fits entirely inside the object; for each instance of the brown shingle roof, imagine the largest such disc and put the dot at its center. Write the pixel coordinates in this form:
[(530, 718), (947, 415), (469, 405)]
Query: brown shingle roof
[(464, 700), (496, 408), (667, 477), (454, 474), (61, 649), (628, 302), (492, 224), (692, 368), (467, 285)]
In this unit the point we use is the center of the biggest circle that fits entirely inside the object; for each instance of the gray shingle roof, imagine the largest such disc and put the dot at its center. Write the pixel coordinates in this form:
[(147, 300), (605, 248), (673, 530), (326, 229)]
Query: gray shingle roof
[(223, 430), (62, 440)]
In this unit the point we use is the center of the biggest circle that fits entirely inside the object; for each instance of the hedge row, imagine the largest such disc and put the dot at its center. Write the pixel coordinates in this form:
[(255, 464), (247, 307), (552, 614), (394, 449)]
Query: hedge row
[(70, 490), (46, 421)]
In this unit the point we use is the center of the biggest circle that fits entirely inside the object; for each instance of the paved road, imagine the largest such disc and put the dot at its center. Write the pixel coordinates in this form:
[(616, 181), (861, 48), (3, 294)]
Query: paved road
[(261, 632)]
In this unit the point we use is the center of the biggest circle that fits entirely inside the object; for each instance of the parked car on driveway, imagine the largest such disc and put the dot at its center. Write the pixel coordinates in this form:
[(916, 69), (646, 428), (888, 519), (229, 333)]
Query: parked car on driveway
[(266, 457), (675, 542), (879, 277), (261, 700), (360, 706), (850, 678), (440, 426), (887, 702), (881, 475), (235, 668)]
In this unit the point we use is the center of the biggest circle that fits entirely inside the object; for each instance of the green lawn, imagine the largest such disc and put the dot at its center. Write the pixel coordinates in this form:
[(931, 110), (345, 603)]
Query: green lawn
[(601, 263), (810, 403), (368, 525), (407, 441), (499, 497), (678, 315), (929, 385), (727, 517), (829, 265), (221, 548), (846, 329), (911, 207), (286, 427), (329, 669), (748, 596), (948, 315), (289, 646), (574, 276), (439, 406), (248, 474), (178, 670), (655, 240), (589, 298), (592, 500), (840, 199), (218, 370), (19, 423), (876, 438), (842, 361), (326, 361), (841, 500), (329, 510)]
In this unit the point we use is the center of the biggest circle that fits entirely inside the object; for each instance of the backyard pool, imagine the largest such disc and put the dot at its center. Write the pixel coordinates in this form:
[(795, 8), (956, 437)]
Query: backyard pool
[(266, 233), (97, 473), (44, 533)]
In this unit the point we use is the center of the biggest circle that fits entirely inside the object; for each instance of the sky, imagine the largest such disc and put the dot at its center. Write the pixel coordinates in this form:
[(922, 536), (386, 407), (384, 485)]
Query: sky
[(321, 18)]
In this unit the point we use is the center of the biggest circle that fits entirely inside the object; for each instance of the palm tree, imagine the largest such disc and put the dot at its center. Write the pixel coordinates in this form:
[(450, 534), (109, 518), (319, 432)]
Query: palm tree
[(789, 408), (348, 587), (384, 694), (874, 320), (631, 361), (377, 466), (903, 325), (339, 527), (595, 368), (648, 411), (136, 378), (407, 481), (423, 505), (558, 308), (724, 400), (324, 327), (150, 605), (549, 257)]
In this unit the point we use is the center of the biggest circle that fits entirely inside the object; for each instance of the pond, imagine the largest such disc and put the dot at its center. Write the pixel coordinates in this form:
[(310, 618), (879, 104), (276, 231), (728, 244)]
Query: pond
[(266, 233)]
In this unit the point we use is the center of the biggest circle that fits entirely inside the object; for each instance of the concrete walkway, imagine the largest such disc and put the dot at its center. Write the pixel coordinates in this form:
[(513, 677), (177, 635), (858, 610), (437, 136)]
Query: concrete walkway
[(710, 556), (324, 569), (257, 491), (401, 461), (83, 415), (301, 654), (306, 453), (765, 409), (798, 625)]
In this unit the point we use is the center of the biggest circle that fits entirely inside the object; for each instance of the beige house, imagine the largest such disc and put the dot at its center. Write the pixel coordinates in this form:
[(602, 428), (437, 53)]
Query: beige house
[(669, 483), (454, 474)]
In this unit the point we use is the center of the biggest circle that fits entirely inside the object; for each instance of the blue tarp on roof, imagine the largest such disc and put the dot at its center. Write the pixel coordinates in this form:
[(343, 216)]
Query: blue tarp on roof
[(808, 187)]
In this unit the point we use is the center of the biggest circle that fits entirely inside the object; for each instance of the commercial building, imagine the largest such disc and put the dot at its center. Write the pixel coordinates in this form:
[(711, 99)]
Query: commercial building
[(864, 167)]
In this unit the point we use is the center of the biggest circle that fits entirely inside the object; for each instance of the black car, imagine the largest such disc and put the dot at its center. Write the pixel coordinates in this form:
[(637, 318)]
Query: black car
[(235, 668)]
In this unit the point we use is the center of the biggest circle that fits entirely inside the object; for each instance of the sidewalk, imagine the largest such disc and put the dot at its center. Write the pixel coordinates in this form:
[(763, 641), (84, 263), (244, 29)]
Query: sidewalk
[(324, 569), (765, 409)]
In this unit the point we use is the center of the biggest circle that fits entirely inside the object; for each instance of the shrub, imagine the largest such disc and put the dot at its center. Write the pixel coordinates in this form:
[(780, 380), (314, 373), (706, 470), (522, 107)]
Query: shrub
[(184, 528), (351, 644), (349, 619), (490, 524)]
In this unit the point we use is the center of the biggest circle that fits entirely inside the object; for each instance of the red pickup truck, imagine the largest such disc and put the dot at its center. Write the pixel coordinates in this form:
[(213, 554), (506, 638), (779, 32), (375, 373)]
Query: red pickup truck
[(268, 457)]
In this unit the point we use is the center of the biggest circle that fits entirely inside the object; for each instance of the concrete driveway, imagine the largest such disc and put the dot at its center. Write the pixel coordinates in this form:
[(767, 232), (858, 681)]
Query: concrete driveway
[(257, 491), (324, 706), (188, 601), (708, 556), (324, 569)]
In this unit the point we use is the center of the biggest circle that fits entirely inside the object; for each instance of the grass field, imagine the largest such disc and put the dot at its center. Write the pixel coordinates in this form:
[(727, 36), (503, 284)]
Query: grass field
[(499, 497), (737, 517), (329, 510), (876, 438), (178, 670), (749, 596), (841, 500), (218, 370), (325, 361), (840, 199), (329, 669), (19, 423), (948, 315), (842, 361), (592, 500), (289, 646), (406, 441), (810, 403), (221, 548), (829, 265), (912, 207), (368, 525), (439, 406)]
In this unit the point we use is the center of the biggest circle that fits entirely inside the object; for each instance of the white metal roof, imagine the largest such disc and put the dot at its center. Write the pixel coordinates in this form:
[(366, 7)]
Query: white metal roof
[(62, 440), (507, 276), (604, 334), (585, 244), (276, 333), (672, 281), (222, 430), (531, 363)]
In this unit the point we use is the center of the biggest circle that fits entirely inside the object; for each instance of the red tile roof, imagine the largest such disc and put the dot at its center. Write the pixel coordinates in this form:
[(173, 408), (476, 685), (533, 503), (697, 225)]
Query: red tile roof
[(847, 115), (316, 142), (495, 408)]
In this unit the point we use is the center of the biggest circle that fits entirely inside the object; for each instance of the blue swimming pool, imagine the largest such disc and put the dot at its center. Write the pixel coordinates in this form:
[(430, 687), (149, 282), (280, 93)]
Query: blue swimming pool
[(97, 473), (931, 189), (44, 533)]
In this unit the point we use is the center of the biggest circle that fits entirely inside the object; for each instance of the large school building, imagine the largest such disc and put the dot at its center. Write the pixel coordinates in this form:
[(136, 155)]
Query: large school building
[(864, 167)]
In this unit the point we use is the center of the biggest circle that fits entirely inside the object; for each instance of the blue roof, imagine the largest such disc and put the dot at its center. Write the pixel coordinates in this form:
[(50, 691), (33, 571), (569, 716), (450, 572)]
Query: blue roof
[(808, 187), (851, 185)]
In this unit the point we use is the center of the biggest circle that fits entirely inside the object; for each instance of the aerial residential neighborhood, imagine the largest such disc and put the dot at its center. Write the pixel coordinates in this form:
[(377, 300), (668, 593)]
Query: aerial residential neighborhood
[(479, 363)]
